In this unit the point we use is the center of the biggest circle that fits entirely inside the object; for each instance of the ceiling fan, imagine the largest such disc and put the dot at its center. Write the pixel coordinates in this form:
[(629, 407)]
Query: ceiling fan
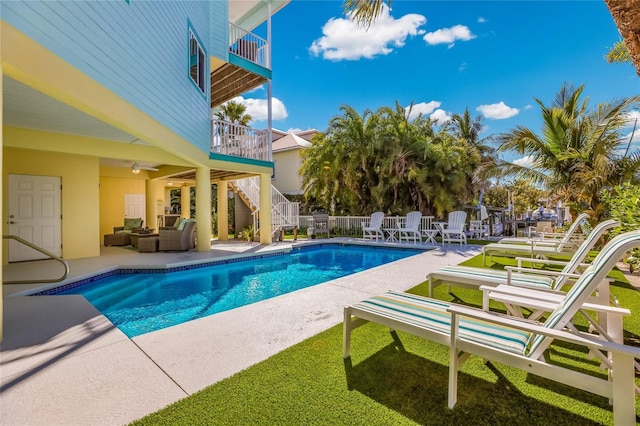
[(135, 168)]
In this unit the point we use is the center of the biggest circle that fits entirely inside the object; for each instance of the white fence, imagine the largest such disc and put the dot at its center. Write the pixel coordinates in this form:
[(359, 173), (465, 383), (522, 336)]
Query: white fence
[(350, 225)]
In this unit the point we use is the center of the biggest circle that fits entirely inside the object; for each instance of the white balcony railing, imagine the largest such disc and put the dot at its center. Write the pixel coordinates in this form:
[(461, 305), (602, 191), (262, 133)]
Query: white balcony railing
[(239, 141), (249, 46)]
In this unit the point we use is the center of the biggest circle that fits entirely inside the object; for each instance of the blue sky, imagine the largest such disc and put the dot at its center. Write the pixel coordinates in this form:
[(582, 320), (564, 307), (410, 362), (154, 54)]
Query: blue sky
[(492, 57)]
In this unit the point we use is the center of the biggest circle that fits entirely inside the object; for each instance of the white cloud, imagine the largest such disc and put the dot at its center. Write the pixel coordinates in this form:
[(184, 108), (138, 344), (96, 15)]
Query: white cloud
[(462, 67), (440, 116), (343, 39), (526, 161), (257, 108), (528, 106), (632, 116), (497, 111), (449, 35), (422, 108), (481, 20)]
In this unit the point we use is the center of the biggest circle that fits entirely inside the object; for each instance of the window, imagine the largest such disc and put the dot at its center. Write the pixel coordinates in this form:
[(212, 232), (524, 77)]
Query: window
[(197, 65)]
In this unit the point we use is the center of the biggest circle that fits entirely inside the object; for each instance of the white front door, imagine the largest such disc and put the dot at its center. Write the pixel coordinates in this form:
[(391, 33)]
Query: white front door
[(34, 215)]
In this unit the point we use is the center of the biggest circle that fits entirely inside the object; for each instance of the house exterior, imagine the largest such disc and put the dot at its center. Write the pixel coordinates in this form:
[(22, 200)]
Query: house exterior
[(287, 148), (93, 91)]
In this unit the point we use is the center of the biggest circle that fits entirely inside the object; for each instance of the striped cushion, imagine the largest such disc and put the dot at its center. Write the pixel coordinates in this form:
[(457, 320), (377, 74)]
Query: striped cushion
[(431, 315), (481, 276)]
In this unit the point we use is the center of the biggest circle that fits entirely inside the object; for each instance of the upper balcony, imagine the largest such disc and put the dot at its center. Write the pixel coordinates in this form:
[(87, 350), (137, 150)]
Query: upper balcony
[(249, 66), (239, 141)]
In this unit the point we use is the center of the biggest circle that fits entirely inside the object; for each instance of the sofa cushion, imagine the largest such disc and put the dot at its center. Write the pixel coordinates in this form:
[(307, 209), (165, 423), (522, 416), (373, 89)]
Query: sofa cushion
[(183, 222), (132, 222)]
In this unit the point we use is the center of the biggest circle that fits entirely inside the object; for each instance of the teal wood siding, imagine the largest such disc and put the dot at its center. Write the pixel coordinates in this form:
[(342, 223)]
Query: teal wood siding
[(219, 30), (139, 50)]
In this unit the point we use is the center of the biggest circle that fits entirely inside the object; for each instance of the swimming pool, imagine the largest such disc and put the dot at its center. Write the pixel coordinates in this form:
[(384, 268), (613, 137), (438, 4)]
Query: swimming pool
[(142, 302)]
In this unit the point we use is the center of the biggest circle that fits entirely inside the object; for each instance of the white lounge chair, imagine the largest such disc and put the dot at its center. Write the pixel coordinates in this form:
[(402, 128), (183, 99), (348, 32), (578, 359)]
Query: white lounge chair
[(411, 228), (510, 340), (534, 248), (473, 277), (372, 230), (454, 229), (551, 237)]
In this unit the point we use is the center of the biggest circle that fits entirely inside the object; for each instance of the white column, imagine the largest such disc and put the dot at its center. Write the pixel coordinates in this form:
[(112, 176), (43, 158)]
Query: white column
[(265, 209), (203, 208)]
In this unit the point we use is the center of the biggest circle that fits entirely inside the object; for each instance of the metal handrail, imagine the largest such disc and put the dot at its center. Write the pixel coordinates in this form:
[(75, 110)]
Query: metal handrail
[(43, 251)]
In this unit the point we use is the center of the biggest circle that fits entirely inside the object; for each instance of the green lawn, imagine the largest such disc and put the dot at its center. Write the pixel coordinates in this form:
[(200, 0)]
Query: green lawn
[(396, 379)]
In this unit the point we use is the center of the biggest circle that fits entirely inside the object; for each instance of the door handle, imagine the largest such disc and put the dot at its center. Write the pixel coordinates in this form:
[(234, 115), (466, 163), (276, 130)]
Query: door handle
[(11, 222)]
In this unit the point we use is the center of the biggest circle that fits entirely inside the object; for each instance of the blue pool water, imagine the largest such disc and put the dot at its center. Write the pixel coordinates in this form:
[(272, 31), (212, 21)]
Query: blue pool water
[(138, 303)]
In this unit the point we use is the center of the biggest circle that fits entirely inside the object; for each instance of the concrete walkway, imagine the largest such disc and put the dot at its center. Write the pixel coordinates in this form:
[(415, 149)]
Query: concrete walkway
[(62, 362)]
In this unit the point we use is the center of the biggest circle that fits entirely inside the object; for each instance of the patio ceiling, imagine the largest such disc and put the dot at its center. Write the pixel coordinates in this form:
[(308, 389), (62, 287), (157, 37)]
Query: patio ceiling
[(626, 14), (27, 108)]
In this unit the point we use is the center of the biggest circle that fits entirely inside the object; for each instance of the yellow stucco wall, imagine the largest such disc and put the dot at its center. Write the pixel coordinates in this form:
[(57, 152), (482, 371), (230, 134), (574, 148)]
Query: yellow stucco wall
[(112, 190), (80, 200), (287, 164)]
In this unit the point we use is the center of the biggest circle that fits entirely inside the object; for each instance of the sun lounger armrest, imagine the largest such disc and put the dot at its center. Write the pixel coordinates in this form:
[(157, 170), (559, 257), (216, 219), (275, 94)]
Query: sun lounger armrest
[(511, 269), (535, 327), (521, 260), (535, 297)]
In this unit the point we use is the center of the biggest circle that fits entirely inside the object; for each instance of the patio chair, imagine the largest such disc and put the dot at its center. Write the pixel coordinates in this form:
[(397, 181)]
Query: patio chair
[(372, 230), (552, 237), (454, 229), (411, 228), (473, 277), (120, 236), (320, 225), (510, 340), (178, 239)]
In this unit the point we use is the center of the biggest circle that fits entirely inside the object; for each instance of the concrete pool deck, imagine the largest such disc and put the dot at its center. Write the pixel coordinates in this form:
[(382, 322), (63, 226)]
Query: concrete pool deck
[(62, 362)]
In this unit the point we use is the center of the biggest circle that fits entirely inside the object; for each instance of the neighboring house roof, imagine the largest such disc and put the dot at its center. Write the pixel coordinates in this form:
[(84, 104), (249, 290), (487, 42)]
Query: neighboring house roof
[(307, 134), (626, 14), (288, 142), (277, 134)]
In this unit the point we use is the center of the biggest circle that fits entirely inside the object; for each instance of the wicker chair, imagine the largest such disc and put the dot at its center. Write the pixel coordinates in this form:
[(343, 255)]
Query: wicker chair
[(176, 239)]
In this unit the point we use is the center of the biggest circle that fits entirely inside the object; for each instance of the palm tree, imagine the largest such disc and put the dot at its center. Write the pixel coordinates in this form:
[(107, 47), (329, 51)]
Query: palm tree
[(579, 151), (480, 154), (233, 112), (618, 53), (364, 12)]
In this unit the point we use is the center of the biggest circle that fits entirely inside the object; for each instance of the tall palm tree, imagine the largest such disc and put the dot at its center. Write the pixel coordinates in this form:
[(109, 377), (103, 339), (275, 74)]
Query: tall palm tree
[(481, 155), (579, 151)]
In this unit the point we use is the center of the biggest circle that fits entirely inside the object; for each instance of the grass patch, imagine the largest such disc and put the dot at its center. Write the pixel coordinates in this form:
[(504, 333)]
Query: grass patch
[(396, 379)]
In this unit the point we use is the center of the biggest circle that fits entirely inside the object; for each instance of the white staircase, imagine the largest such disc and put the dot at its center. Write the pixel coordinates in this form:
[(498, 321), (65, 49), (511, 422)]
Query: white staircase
[(284, 213)]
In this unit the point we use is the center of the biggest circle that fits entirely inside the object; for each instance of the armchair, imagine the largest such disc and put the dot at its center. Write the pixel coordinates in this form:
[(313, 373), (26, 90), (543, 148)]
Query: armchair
[(178, 239), (120, 236)]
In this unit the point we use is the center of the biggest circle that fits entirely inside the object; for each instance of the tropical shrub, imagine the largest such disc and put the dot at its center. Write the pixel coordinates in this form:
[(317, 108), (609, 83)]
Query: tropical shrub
[(623, 205)]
